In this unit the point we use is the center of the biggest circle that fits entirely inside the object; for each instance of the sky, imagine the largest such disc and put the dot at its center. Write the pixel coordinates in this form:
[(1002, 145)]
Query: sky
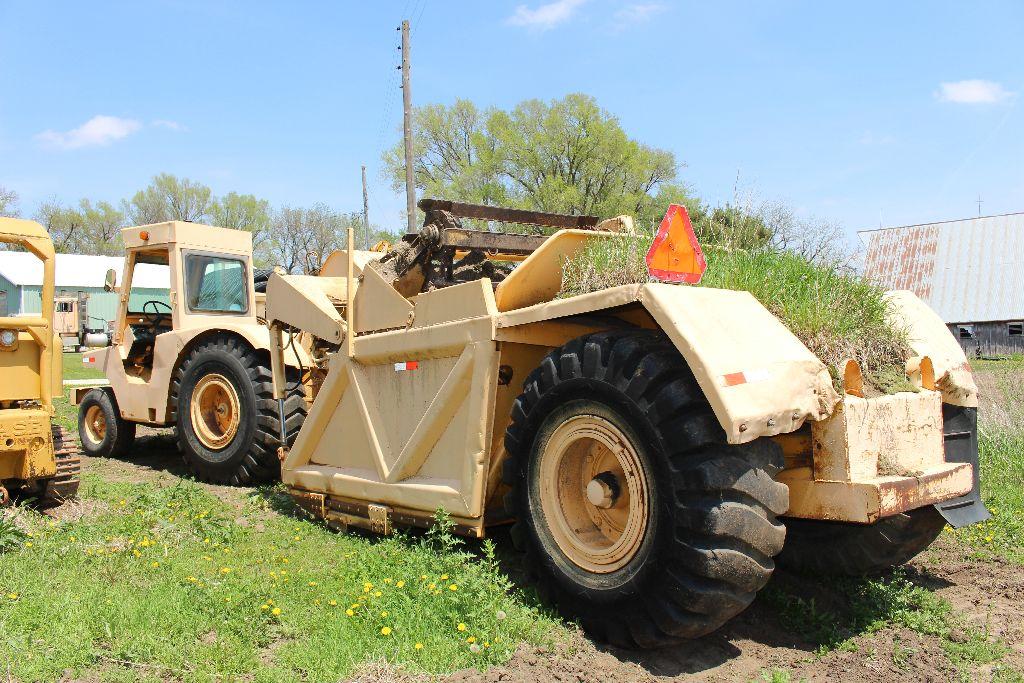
[(866, 113)]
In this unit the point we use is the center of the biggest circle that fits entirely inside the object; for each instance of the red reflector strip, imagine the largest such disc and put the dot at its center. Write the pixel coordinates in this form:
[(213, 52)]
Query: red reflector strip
[(408, 365), (734, 379)]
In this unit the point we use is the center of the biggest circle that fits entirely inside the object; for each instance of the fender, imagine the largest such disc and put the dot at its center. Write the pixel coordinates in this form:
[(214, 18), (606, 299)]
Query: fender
[(758, 377)]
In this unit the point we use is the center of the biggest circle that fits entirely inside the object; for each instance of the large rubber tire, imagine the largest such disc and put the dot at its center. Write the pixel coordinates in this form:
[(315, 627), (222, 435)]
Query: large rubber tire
[(840, 548), (711, 529), (116, 436), (250, 457), (64, 485)]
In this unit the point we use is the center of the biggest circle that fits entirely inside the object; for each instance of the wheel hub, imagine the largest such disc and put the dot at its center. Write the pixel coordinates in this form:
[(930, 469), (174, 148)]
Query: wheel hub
[(95, 424), (215, 411), (594, 493)]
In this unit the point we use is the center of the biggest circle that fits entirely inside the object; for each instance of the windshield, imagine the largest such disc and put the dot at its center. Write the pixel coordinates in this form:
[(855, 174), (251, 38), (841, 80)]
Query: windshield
[(215, 284)]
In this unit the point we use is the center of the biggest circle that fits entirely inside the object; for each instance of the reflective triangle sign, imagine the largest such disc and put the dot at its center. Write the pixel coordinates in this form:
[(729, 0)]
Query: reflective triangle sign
[(675, 255)]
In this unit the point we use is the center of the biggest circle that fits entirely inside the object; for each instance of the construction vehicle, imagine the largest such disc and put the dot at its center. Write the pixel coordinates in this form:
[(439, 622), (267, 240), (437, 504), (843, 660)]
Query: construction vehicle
[(38, 458), (78, 330), (651, 442), (198, 362)]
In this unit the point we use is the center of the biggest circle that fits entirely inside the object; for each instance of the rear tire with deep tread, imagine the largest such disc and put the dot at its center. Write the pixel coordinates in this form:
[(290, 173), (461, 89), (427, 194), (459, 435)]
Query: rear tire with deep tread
[(712, 529), (250, 457), (841, 548)]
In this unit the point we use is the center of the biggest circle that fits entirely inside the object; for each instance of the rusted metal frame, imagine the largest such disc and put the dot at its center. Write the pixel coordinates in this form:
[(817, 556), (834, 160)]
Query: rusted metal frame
[(356, 513), (506, 215)]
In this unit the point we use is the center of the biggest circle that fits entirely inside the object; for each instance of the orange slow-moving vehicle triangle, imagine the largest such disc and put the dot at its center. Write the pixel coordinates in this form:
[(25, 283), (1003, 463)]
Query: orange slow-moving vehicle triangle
[(675, 255)]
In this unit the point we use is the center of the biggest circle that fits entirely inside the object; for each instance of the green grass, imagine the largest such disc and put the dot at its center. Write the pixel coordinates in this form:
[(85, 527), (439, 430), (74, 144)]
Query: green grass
[(174, 582), (73, 368), (1001, 457), (837, 315), (875, 604)]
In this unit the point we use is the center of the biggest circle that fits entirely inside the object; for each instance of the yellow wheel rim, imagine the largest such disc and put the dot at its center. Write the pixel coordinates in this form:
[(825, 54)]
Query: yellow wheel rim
[(594, 493), (214, 411), (95, 425)]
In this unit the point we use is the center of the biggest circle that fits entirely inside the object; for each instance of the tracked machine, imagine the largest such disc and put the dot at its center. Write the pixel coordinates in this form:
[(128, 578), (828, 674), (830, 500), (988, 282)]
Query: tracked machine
[(39, 459), (657, 446)]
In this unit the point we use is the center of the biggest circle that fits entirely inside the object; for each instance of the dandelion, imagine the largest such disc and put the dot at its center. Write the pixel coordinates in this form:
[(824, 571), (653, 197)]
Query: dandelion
[(12, 596), (377, 594), (444, 577), (351, 612), (264, 607), (987, 539), (419, 646), (155, 564), (501, 615), (192, 579), (453, 587), (384, 614), (276, 611), (225, 570), (486, 644), (387, 580), (386, 631), (400, 584), (333, 603), (461, 626), (312, 584), (28, 544), (471, 639), (423, 577), (285, 560), (431, 586)]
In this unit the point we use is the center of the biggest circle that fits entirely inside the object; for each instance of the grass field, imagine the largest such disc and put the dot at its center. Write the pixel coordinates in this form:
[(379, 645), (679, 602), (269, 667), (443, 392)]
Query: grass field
[(153, 577)]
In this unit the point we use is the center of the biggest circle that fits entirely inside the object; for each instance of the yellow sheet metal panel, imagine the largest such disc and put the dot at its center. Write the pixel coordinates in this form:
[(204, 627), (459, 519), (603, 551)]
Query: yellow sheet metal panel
[(539, 277), (377, 306), (26, 444), (307, 303), (20, 370), (929, 336), (759, 378), (864, 438), (459, 302)]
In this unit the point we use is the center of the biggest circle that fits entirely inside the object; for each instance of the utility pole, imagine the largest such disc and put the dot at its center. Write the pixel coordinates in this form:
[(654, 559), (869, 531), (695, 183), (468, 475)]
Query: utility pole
[(407, 104), (979, 205), (410, 188), (366, 214)]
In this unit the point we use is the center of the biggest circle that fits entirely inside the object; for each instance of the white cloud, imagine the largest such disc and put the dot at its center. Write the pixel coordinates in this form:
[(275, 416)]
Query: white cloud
[(96, 132), (973, 92), (545, 16), (639, 13), (169, 125)]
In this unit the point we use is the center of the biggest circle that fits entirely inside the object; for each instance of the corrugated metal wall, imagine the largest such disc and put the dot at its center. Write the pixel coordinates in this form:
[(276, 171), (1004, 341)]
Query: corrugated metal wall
[(9, 297), (990, 338), (101, 304)]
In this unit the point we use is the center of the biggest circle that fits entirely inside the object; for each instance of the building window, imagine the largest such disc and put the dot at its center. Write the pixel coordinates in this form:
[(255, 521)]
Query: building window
[(965, 331), (1015, 329)]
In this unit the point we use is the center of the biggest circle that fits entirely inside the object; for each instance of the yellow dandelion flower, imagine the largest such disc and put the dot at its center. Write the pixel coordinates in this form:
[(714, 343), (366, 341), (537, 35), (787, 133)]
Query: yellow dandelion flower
[(453, 587), (270, 602), (350, 612), (431, 586), (264, 607), (386, 631), (225, 570), (333, 603), (444, 577), (387, 580), (285, 560), (461, 627), (276, 611), (12, 596), (354, 605), (400, 584), (486, 644), (312, 583), (155, 564), (423, 577), (384, 614), (28, 544), (471, 639), (377, 594), (419, 646)]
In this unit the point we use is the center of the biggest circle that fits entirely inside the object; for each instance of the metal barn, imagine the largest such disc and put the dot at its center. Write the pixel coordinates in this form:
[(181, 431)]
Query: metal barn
[(970, 271)]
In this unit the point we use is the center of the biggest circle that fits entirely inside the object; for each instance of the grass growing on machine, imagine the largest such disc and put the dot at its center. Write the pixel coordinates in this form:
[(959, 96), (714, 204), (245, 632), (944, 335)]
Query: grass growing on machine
[(837, 315), (174, 582)]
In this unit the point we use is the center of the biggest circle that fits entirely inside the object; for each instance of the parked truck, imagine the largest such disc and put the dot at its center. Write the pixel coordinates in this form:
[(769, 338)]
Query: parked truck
[(657, 446), (39, 459), (78, 330)]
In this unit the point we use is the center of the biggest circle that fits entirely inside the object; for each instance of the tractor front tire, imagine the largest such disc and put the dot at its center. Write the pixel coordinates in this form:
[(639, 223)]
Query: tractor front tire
[(840, 548), (227, 420), (636, 517), (101, 429)]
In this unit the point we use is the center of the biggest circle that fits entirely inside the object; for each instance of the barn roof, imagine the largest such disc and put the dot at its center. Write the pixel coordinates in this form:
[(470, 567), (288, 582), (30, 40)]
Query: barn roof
[(78, 270), (969, 270)]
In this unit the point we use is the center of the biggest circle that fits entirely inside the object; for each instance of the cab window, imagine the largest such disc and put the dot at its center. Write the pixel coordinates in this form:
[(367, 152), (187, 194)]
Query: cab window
[(215, 284)]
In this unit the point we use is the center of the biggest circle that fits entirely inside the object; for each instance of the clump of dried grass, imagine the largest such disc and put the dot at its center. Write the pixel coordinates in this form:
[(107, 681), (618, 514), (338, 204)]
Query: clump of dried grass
[(836, 314)]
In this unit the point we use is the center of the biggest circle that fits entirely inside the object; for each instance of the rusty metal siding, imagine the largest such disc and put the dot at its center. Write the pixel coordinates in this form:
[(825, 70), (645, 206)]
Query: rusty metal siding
[(969, 270)]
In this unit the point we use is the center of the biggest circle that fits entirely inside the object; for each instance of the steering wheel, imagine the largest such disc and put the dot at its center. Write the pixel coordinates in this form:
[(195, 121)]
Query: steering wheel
[(158, 317)]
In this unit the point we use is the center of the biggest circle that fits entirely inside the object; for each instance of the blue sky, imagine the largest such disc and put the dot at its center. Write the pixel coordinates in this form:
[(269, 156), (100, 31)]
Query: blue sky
[(860, 112)]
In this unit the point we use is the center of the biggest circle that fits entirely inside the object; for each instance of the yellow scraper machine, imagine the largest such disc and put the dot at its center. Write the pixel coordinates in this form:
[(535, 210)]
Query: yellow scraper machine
[(657, 445)]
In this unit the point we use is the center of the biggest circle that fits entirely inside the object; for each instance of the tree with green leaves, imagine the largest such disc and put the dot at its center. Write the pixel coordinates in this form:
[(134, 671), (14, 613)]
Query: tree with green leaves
[(169, 198), (243, 212), (568, 156), (83, 229)]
